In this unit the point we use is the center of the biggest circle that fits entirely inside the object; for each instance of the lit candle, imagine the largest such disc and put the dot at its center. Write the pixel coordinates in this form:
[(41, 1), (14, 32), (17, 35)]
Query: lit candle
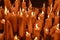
[(21, 24), (48, 22), (24, 4), (56, 18), (37, 31), (41, 16), (46, 32), (28, 36), (33, 18)]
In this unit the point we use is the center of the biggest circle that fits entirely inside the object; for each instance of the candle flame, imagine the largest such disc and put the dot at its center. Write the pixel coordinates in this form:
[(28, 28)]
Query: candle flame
[(35, 38), (46, 29), (3, 21), (23, 9), (21, 14), (20, 9), (43, 4), (51, 8), (48, 16), (27, 34), (57, 27), (5, 10), (38, 18), (42, 12), (32, 13), (58, 13), (37, 28)]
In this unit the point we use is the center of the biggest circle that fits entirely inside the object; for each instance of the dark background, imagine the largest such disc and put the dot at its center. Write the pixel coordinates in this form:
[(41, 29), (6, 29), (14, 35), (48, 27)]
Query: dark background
[(35, 3)]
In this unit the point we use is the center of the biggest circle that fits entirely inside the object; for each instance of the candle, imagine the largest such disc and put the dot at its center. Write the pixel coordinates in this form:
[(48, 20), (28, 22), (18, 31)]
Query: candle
[(21, 25), (24, 4), (46, 32), (6, 30), (33, 18), (13, 20), (54, 29), (28, 36), (57, 33), (48, 22), (37, 31), (41, 16)]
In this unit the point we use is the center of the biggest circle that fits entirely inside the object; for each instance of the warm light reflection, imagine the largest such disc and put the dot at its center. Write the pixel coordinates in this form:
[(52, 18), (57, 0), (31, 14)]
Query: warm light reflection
[(16, 38), (21, 13), (23, 10), (46, 30), (20, 9), (35, 38), (3, 21), (13, 13), (42, 12), (0, 6), (27, 34)]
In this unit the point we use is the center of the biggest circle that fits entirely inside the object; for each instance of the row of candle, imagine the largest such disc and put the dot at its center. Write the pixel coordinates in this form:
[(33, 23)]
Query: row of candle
[(29, 23)]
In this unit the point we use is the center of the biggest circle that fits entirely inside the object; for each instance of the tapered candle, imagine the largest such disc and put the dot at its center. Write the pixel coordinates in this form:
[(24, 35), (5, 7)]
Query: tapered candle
[(21, 25), (33, 18)]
